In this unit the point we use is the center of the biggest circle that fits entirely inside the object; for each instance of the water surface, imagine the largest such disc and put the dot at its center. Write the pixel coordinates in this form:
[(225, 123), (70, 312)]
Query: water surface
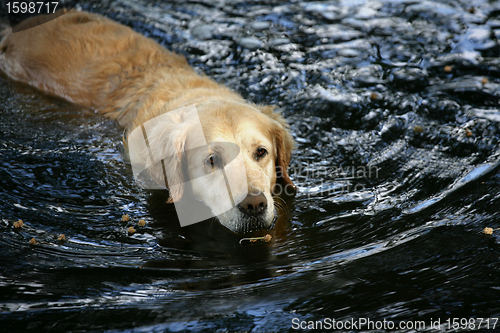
[(394, 107)]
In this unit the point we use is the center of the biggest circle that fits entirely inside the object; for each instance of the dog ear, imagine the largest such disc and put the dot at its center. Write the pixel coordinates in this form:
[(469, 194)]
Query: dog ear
[(284, 144), (173, 167), (163, 157)]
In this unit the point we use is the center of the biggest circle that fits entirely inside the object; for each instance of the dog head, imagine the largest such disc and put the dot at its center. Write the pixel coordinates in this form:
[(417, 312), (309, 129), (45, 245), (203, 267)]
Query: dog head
[(228, 155)]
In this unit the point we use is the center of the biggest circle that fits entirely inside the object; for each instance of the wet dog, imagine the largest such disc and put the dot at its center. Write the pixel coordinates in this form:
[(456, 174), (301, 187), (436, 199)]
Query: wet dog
[(95, 62)]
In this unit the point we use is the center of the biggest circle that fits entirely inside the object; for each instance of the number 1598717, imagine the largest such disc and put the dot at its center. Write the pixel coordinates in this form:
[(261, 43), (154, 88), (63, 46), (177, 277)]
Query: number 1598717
[(14, 7)]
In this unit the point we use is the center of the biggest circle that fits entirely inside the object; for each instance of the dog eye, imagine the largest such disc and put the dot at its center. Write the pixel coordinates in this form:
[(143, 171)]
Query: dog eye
[(261, 152), (213, 161)]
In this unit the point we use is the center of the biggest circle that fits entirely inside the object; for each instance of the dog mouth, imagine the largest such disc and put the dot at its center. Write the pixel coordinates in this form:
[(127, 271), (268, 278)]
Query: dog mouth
[(238, 220), (250, 223)]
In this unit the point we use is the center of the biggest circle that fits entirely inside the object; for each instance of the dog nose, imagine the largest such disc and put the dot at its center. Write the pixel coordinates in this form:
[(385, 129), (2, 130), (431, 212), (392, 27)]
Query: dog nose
[(253, 204)]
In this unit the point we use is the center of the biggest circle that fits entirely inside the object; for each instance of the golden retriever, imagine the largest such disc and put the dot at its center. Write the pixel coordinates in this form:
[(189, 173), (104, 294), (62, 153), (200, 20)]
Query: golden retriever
[(95, 62)]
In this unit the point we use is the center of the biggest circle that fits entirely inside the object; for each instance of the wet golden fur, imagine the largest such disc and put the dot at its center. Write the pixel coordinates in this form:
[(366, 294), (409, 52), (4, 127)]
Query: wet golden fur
[(95, 62)]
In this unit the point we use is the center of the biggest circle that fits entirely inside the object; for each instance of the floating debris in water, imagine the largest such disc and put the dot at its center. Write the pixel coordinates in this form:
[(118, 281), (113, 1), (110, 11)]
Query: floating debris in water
[(18, 224), (141, 223), (61, 238), (125, 218), (33, 241), (131, 230), (418, 129), (489, 231), (267, 238)]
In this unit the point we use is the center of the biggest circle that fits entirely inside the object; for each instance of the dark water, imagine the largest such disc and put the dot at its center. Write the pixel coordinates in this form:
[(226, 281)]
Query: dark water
[(394, 105)]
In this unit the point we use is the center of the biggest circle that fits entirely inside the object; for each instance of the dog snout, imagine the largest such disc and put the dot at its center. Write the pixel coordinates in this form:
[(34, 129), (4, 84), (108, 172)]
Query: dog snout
[(254, 204)]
